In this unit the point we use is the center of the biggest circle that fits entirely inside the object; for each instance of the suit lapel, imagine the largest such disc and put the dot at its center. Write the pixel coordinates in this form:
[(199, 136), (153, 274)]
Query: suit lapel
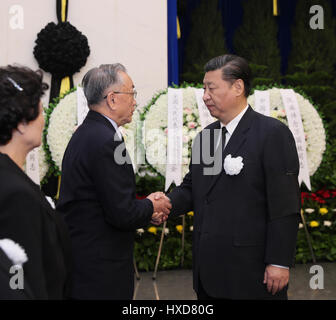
[(238, 137), (236, 142)]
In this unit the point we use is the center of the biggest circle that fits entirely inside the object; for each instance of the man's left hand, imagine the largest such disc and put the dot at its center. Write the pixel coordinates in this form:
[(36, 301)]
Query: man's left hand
[(276, 278), (158, 218)]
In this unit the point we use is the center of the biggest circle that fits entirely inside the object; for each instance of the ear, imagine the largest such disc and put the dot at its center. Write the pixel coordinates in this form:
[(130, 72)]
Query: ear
[(110, 101), (21, 128), (239, 87)]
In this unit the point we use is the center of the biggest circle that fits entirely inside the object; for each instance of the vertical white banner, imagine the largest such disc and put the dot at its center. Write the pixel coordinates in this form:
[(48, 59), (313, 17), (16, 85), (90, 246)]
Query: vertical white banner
[(174, 147), (262, 102), (82, 106), (296, 126), (32, 166), (204, 113)]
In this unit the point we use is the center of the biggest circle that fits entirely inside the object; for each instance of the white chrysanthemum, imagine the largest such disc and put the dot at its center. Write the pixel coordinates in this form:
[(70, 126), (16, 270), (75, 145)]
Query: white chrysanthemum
[(312, 125), (63, 123), (154, 130), (13, 251)]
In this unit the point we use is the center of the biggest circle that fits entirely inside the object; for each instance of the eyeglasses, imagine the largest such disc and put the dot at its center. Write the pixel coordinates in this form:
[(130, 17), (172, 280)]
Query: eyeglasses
[(134, 93)]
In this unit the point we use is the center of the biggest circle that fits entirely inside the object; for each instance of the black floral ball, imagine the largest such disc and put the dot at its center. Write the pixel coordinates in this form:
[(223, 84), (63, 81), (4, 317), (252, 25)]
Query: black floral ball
[(61, 49)]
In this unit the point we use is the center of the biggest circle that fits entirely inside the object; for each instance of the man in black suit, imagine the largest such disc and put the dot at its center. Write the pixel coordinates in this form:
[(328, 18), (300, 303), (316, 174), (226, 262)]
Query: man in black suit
[(247, 211), (97, 193)]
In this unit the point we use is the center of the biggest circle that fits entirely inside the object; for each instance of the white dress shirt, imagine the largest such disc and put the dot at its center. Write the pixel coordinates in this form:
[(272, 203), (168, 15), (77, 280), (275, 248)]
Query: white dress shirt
[(232, 125)]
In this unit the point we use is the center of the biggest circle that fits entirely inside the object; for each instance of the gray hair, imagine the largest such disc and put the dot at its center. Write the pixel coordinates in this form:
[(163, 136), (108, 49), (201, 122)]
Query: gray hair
[(97, 80)]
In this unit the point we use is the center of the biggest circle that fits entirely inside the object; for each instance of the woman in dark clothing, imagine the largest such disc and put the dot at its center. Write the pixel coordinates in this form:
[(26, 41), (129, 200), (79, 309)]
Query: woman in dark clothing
[(26, 217)]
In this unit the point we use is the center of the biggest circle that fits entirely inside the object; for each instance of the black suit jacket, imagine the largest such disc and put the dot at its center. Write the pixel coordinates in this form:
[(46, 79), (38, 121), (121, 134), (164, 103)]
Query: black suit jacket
[(243, 222), (27, 218), (100, 206)]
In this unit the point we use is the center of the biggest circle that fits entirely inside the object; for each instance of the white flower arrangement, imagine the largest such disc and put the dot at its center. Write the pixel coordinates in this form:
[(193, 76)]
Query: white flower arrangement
[(14, 252), (312, 125), (42, 159), (154, 130), (233, 166), (63, 123)]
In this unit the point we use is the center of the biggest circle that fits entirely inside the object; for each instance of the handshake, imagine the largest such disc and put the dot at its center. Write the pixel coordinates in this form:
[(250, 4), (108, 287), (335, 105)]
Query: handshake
[(162, 207)]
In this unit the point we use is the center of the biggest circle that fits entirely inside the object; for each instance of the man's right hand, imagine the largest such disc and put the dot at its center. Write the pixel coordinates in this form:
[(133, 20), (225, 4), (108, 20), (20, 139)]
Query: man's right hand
[(160, 203)]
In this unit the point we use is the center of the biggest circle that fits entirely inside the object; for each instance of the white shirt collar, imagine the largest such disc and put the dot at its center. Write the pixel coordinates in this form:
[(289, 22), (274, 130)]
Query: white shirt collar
[(232, 125), (114, 124)]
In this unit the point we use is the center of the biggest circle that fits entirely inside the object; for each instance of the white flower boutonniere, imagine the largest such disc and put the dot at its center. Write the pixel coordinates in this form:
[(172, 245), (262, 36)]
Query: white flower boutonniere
[(233, 166), (14, 251)]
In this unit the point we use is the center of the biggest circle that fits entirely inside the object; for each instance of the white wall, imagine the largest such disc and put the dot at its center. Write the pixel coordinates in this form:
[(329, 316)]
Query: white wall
[(131, 32)]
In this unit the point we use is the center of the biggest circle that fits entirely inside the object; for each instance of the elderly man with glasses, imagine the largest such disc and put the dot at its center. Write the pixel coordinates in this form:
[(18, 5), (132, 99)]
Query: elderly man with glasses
[(97, 193)]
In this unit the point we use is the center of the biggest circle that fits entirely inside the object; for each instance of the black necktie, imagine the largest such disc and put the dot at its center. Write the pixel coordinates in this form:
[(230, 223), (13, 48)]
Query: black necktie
[(224, 131)]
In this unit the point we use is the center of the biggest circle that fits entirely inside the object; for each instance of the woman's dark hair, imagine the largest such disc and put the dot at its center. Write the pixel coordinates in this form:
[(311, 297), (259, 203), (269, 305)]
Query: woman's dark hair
[(233, 68), (21, 90)]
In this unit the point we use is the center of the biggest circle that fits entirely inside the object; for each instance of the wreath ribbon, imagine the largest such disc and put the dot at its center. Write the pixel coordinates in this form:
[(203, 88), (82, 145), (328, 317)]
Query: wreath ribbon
[(62, 14), (65, 86), (62, 10), (275, 8)]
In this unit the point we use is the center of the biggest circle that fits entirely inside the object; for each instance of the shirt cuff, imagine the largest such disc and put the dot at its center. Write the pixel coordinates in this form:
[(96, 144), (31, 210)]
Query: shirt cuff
[(275, 265)]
